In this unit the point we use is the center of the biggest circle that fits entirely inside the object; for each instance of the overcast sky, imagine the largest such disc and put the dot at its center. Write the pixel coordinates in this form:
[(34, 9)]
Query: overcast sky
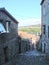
[(27, 12)]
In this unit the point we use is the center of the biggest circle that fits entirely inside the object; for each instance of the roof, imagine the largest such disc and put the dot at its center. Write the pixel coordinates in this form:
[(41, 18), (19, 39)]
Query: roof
[(27, 36), (42, 2), (8, 14)]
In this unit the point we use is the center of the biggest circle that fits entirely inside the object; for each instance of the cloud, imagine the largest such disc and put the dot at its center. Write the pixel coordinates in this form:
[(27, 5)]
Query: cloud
[(29, 22)]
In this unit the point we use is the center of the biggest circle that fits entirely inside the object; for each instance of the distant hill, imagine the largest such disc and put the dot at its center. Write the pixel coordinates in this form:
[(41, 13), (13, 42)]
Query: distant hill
[(38, 25), (32, 29)]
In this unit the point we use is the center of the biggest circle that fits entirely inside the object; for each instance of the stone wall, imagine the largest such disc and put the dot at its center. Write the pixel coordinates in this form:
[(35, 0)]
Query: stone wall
[(45, 21), (8, 41), (25, 45), (12, 50)]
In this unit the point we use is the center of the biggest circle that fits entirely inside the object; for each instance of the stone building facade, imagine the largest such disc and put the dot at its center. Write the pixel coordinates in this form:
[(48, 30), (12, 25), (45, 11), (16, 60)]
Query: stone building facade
[(8, 39), (24, 45), (45, 25)]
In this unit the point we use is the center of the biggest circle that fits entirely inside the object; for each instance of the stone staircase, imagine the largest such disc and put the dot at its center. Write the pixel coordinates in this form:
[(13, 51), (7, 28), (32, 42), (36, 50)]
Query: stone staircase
[(23, 59)]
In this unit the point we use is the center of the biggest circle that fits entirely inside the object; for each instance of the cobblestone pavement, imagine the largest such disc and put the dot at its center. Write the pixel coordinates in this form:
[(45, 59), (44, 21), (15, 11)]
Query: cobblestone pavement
[(31, 58), (33, 53)]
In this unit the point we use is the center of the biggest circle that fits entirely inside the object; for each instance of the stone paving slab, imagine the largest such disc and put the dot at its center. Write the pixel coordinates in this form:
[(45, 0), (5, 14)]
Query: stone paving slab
[(29, 59), (34, 52)]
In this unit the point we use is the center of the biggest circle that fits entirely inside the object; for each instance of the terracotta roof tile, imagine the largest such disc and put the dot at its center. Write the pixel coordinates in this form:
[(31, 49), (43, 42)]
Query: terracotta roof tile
[(26, 35)]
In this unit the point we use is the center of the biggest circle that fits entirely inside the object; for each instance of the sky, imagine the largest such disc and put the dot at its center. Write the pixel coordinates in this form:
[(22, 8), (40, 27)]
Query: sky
[(27, 12)]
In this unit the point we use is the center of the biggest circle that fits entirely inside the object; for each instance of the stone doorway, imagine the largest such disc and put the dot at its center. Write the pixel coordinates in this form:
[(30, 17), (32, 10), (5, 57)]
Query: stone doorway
[(5, 53), (19, 42), (44, 47)]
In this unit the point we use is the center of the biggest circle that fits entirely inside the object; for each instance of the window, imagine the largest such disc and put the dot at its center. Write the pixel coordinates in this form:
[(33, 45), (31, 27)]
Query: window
[(44, 9), (48, 31), (44, 29), (5, 53), (7, 26), (48, 6), (2, 29)]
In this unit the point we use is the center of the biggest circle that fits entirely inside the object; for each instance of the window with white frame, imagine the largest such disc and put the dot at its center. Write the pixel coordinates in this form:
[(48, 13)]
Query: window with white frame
[(7, 26), (2, 29)]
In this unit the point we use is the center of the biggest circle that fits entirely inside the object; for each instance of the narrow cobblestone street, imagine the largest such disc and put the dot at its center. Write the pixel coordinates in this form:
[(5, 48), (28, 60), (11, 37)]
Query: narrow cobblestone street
[(31, 58)]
